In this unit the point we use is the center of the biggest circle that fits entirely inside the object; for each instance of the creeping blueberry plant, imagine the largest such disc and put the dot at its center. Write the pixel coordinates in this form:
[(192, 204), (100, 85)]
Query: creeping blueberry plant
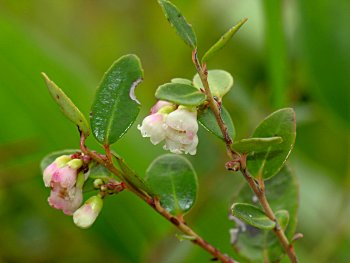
[(264, 211)]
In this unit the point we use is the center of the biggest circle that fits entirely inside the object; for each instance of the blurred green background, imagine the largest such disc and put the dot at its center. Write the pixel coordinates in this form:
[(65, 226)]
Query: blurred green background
[(290, 53)]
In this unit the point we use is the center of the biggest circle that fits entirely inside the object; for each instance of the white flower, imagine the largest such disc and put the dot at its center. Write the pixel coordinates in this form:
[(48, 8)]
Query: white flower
[(86, 215), (181, 131), (153, 127), (177, 127)]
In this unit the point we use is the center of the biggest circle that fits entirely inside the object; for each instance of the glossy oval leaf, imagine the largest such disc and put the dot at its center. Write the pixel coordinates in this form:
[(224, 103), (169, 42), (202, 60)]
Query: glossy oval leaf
[(255, 144), (178, 21), (48, 159), (181, 94), (67, 106), (282, 217), (115, 107), (207, 119), (282, 193), (252, 216), (266, 164), (181, 81), (220, 82), (174, 180), (223, 41)]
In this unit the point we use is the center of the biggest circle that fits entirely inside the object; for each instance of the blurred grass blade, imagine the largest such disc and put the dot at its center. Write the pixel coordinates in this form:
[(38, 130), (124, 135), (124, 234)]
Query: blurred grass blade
[(67, 106), (178, 21), (223, 41), (115, 106)]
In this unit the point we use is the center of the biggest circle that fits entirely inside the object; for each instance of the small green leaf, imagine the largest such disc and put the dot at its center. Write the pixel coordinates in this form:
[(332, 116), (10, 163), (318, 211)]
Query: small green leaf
[(67, 106), (131, 178), (220, 82), (181, 81), (252, 215), (48, 159), (174, 180), (266, 164), (115, 106), (98, 171), (207, 119), (178, 21), (282, 217), (255, 144), (282, 193), (181, 94), (181, 237), (222, 41)]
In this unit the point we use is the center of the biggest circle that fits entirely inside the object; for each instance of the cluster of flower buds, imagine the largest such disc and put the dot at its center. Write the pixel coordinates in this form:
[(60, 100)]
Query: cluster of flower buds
[(66, 177), (178, 126)]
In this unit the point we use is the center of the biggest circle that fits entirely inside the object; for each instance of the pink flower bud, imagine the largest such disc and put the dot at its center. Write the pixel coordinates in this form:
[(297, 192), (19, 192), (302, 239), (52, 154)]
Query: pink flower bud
[(61, 176), (159, 105), (86, 215)]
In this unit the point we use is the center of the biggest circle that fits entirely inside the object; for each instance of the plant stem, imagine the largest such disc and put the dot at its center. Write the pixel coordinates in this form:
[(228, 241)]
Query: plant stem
[(155, 204), (258, 188)]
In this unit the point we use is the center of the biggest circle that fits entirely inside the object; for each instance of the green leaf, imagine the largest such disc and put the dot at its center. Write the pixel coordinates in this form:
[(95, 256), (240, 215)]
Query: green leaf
[(282, 217), (174, 180), (178, 21), (48, 159), (220, 82), (67, 106), (223, 41), (255, 144), (181, 81), (115, 106), (182, 237), (98, 171), (282, 193), (207, 119), (181, 94), (131, 178), (266, 164), (252, 215)]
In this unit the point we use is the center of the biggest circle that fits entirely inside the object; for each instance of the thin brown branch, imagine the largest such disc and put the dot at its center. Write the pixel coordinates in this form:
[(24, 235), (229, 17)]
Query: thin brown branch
[(234, 157), (155, 204)]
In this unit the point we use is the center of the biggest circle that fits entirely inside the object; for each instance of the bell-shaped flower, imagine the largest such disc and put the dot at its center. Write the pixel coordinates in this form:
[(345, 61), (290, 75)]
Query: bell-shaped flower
[(66, 183), (153, 125), (181, 131), (86, 215)]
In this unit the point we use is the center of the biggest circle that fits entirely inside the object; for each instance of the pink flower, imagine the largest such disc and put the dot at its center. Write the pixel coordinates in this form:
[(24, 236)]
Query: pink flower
[(61, 176), (177, 127), (86, 215), (153, 125)]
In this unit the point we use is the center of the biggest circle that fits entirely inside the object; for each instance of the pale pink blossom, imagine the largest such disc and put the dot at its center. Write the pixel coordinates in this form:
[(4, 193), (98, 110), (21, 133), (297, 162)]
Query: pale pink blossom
[(159, 105), (61, 176), (153, 127), (177, 127)]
